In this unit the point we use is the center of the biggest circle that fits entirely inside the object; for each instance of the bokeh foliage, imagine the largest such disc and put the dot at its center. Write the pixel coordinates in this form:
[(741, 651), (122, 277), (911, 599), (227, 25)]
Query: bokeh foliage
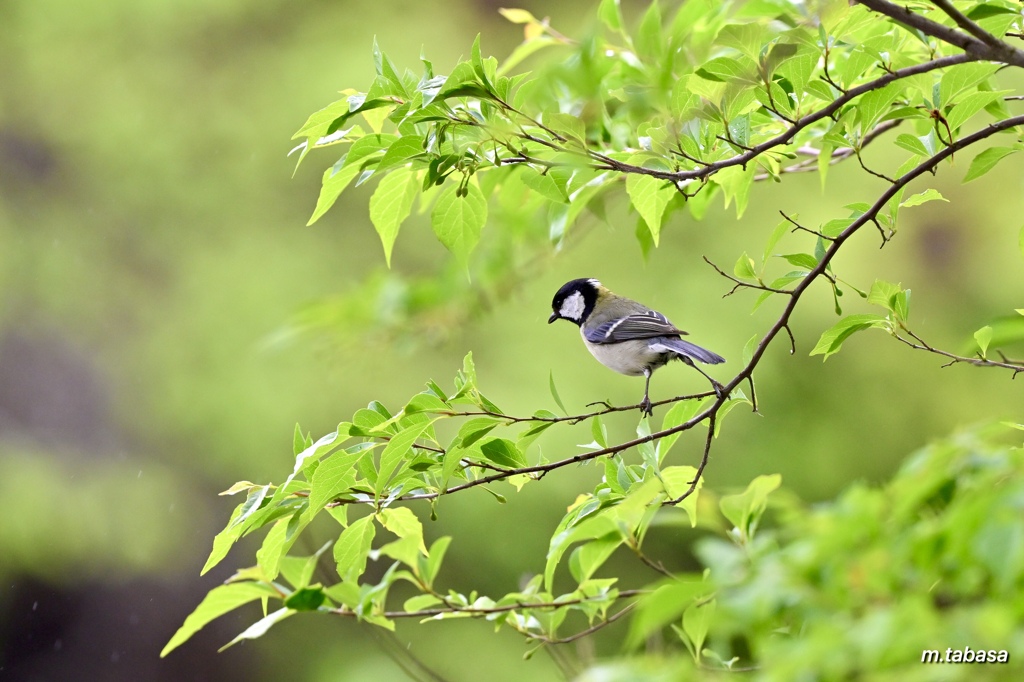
[(684, 109), (147, 220)]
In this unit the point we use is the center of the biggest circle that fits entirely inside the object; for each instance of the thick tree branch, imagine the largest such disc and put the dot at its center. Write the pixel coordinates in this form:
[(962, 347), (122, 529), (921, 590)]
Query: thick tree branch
[(978, 48), (966, 24)]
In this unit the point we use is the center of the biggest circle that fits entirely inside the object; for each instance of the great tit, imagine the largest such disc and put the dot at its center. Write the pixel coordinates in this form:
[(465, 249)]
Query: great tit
[(627, 336)]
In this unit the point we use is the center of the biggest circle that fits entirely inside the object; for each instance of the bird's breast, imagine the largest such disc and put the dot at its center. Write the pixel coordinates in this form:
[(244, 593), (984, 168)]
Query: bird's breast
[(632, 358)]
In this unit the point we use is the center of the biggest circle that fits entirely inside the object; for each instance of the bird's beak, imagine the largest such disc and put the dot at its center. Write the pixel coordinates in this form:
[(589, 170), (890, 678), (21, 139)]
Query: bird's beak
[(554, 316)]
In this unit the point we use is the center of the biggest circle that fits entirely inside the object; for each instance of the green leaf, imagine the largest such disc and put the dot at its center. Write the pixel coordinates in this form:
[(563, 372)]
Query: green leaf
[(548, 184), (802, 260), (649, 42), (403, 523), (279, 540), (697, 622), (503, 452), (390, 205), (884, 294), (458, 220), (970, 105), (598, 431), (832, 340), (426, 402), (911, 144), (649, 197), (745, 509), (554, 392), (517, 16), (400, 151), (677, 481), (524, 50), (434, 559), (335, 475), (353, 547), (589, 557), (567, 125), (217, 602), (776, 235), (622, 518), (680, 413), (338, 177), (922, 198), (874, 104), (397, 449), (661, 607), (983, 336), (252, 504), (308, 566), (475, 429), (986, 161), (736, 182), (260, 627), (610, 14), (420, 602), (744, 268), (305, 599), (223, 541), (960, 78)]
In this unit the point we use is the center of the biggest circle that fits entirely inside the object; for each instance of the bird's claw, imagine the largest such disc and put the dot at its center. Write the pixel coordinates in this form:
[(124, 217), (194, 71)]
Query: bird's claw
[(646, 407), (719, 389)]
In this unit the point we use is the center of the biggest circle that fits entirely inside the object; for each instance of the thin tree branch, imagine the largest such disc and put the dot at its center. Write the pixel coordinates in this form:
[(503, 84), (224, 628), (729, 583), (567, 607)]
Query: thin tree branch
[(791, 132), (478, 611), (1017, 366), (589, 631)]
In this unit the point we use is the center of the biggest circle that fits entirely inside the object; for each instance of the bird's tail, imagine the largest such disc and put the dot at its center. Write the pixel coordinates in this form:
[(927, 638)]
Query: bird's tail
[(690, 350)]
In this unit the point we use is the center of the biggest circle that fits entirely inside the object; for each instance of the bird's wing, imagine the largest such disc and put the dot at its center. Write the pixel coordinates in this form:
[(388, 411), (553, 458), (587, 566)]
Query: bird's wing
[(649, 325)]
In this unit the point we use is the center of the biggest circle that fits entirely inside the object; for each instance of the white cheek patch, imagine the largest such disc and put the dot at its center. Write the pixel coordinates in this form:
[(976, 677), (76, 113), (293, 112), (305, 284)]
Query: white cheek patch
[(573, 307)]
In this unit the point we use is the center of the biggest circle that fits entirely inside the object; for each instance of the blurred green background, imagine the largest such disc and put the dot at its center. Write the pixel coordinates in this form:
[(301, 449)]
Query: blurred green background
[(156, 281)]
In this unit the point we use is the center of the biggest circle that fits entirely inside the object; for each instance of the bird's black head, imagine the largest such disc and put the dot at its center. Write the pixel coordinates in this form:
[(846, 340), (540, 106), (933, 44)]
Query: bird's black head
[(575, 300)]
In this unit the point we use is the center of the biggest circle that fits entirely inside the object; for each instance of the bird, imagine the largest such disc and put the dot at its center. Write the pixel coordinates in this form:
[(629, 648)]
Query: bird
[(627, 336)]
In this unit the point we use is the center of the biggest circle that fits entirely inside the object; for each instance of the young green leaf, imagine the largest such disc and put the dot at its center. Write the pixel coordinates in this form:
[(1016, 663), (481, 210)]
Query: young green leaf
[(661, 607), (397, 450), (696, 622), (986, 161), (260, 627), (744, 268), (503, 452), (649, 197), (305, 599), (610, 14), (458, 220), (353, 547), (216, 603), (984, 337), (911, 144), (745, 509), (832, 339), (922, 198), (554, 392), (391, 204), (335, 475)]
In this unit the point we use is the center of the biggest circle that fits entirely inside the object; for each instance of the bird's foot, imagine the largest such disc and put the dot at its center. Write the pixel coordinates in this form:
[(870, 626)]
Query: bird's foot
[(646, 407), (719, 389)]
